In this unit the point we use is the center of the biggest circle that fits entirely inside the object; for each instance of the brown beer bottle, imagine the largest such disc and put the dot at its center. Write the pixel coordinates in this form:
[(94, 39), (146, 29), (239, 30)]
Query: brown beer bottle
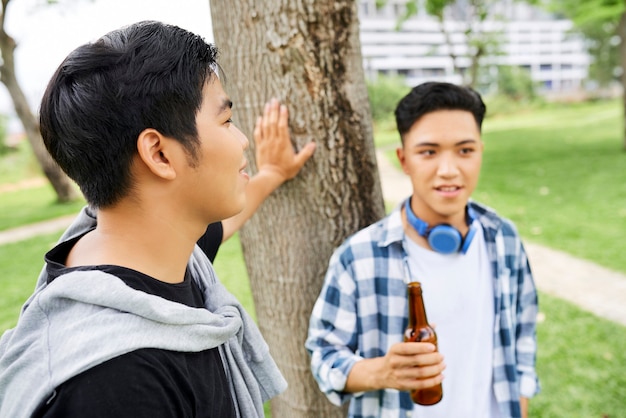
[(419, 330)]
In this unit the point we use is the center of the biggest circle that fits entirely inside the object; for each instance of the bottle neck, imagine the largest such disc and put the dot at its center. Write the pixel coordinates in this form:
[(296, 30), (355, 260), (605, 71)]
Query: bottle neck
[(417, 311)]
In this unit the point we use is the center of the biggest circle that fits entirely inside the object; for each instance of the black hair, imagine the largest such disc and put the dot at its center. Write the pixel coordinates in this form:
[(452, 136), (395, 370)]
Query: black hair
[(431, 96), (105, 93)]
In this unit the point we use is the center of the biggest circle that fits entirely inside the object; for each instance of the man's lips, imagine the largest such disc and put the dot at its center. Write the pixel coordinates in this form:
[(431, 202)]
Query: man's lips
[(243, 171), (448, 190)]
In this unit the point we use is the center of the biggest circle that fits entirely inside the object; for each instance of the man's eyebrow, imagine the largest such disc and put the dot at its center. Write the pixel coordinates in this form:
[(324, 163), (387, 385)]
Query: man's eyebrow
[(226, 104), (435, 144)]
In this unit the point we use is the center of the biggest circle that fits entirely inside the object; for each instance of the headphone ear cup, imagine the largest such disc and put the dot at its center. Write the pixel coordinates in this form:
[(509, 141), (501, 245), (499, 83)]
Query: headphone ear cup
[(445, 239)]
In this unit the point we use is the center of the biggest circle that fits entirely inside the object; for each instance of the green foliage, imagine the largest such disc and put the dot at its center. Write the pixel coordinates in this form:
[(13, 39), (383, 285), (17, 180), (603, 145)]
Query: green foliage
[(501, 105), (384, 94), (436, 7), (479, 42), (583, 12), (597, 20), (516, 83), (604, 50)]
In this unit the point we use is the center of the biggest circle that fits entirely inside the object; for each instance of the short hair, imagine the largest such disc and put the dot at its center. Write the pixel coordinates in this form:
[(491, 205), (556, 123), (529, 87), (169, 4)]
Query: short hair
[(432, 96), (105, 93)]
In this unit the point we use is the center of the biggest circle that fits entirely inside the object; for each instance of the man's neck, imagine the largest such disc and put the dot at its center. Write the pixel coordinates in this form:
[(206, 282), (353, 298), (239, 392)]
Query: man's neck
[(153, 243)]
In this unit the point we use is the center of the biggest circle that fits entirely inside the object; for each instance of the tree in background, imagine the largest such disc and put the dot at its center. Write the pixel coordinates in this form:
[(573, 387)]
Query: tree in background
[(384, 94), (62, 184), (473, 15), (308, 55), (516, 83), (603, 22)]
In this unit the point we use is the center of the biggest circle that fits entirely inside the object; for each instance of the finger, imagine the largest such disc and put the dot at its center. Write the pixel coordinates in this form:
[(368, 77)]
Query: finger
[(411, 348), (419, 384), (305, 153), (257, 133), (272, 118), (265, 119), (417, 361), (284, 116)]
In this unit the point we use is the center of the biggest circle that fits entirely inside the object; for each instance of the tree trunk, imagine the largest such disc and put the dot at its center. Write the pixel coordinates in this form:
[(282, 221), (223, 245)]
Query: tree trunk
[(621, 32), (448, 41), (307, 54), (61, 183)]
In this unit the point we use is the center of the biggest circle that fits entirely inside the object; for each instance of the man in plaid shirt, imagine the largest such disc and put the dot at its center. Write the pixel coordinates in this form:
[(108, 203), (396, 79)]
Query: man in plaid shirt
[(477, 284)]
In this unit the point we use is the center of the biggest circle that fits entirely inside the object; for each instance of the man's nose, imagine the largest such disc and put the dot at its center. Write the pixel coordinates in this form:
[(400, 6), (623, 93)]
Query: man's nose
[(447, 165)]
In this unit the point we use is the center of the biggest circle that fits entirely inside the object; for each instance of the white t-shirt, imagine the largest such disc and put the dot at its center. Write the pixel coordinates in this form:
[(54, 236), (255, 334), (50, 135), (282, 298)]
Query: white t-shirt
[(458, 296)]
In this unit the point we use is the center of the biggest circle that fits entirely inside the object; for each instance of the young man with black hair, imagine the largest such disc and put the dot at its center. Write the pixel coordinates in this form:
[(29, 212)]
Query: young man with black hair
[(128, 318), (477, 284)]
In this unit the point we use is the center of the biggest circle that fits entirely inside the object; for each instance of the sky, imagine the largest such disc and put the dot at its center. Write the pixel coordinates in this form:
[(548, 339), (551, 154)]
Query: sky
[(46, 34)]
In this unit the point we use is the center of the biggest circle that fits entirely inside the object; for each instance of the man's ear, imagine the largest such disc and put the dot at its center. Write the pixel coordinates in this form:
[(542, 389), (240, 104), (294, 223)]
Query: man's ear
[(155, 153), (402, 159)]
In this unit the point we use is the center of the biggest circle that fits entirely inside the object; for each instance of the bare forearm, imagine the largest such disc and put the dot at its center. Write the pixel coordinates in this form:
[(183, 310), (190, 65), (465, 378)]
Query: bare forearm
[(524, 406), (363, 376)]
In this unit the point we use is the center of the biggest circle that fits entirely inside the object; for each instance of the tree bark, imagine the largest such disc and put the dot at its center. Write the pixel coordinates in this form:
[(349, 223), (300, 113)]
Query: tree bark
[(61, 183), (621, 31), (307, 54)]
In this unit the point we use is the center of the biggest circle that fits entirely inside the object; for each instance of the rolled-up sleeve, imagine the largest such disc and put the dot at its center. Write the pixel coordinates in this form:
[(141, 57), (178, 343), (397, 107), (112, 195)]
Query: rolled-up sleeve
[(332, 338)]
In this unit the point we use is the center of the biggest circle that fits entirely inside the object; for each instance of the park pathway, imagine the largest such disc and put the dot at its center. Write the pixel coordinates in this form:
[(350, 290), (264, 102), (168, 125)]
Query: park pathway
[(592, 287)]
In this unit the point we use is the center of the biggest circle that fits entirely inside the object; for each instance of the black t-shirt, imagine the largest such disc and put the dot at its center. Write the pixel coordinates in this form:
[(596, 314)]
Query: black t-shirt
[(150, 383), (211, 240)]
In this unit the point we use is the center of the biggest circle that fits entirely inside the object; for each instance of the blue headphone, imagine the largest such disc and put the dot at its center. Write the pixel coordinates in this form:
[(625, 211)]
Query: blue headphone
[(442, 238)]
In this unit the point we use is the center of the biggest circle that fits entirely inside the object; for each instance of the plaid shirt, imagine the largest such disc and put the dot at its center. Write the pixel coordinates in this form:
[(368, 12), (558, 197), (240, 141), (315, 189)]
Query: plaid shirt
[(362, 311)]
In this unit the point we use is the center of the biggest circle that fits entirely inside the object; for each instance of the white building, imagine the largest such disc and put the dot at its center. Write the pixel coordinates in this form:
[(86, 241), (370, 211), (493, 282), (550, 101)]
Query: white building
[(530, 38)]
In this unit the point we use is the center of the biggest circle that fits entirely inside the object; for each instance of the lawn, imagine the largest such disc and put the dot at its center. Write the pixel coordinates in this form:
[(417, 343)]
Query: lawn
[(33, 204), (560, 174), (25, 196)]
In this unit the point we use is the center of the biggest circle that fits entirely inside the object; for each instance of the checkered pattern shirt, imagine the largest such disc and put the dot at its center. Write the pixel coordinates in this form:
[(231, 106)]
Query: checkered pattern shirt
[(362, 311)]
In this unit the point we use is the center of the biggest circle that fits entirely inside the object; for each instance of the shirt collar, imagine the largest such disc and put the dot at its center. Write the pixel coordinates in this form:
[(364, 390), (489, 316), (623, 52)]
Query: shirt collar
[(392, 229)]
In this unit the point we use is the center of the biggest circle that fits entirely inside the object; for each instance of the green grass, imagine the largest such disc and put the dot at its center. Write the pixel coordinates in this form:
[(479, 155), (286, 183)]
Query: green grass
[(29, 205), (18, 164), (22, 206), (231, 269), (559, 174), (580, 362)]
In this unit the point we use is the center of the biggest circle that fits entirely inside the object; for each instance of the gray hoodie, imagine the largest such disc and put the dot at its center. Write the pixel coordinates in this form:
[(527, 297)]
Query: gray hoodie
[(84, 318)]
